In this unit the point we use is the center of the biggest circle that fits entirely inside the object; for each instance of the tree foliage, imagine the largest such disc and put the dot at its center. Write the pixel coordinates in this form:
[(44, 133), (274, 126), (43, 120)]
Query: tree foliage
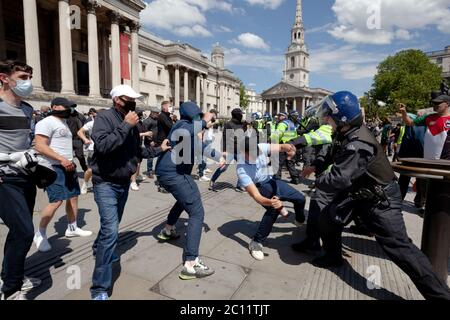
[(243, 100), (406, 77)]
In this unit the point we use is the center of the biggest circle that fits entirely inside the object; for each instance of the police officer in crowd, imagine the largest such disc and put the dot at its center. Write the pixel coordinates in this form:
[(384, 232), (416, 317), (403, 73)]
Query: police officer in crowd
[(361, 182), (285, 132)]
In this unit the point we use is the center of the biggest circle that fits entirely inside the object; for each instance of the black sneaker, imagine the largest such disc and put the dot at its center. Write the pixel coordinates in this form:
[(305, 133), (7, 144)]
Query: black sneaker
[(327, 261), (307, 246)]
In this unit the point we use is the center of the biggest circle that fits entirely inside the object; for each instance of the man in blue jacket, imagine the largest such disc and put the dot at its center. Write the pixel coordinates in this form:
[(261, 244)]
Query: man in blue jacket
[(117, 153), (173, 171)]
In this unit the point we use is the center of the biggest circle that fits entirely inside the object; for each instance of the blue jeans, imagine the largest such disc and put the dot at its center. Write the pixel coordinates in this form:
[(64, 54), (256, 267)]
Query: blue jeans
[(17, 198), (149, 166), (285, 192), (111, 199), (185, 191)]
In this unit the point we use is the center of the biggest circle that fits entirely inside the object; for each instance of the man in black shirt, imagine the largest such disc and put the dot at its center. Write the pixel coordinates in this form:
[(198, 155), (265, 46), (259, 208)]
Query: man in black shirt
[(165, 123)]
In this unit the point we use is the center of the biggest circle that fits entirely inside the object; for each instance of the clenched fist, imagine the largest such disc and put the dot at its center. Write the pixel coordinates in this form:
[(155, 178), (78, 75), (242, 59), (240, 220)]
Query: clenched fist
[(131, 118)]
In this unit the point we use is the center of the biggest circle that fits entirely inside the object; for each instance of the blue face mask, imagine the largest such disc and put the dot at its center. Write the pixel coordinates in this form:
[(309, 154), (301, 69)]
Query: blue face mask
[(23, 88)]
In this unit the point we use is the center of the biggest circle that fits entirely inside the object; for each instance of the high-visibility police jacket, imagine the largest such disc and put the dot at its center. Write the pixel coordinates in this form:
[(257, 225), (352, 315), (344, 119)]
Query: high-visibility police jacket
[(400, 136), (323, 135), (285, 131), (260, 124)]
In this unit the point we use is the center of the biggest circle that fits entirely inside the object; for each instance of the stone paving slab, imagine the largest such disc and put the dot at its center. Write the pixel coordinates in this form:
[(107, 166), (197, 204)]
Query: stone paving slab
[(149, 269)]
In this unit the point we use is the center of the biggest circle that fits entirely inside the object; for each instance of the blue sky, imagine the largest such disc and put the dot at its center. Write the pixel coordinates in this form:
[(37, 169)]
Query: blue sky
[(346, 38)]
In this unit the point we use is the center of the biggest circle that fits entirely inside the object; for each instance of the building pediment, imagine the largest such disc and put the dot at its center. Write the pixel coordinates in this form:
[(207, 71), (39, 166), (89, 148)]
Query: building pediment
[(283, 88)]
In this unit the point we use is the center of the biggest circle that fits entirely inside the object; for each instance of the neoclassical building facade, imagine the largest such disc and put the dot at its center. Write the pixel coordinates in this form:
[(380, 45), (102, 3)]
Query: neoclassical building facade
[(80, 49), (293, 92)]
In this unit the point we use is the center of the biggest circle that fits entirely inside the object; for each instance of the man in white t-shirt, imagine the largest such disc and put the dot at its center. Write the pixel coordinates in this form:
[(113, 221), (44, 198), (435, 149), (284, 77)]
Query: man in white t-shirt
[(89, 149), (54, 142)]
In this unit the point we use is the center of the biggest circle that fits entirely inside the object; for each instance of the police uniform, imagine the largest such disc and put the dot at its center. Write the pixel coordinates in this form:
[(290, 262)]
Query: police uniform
[(361, 182), (284, 133)]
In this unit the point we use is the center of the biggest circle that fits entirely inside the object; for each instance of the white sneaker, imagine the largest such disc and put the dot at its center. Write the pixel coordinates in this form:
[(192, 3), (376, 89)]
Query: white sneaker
[(207, 170), (41, 242), (204, 179), (134, 186), (256, 250), (19, 295), (84, 188), (78, 232), (30, 283)]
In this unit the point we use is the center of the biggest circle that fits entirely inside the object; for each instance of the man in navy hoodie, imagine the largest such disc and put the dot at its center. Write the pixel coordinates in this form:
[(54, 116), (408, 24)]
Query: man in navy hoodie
[(116, 156), (173, 171)]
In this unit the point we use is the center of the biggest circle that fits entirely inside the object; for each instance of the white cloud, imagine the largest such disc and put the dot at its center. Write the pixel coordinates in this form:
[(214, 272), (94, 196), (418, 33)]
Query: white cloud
[(383, 21), (182, 17), (250, 40), (222, 29), (236, 57), (323, 28), (347, 61), (269, 4)]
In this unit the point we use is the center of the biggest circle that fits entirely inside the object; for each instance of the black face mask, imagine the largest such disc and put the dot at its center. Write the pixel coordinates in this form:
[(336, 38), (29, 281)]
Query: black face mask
[(64, 114), (129, 105)]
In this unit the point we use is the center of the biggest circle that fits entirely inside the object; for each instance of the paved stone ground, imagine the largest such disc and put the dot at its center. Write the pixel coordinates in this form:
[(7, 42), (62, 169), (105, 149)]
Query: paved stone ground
[(149, 269)]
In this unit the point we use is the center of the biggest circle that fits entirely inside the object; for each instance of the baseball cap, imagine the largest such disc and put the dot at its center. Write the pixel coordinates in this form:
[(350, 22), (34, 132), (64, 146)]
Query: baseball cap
[(441, 98), (63, 102), (124, 90)]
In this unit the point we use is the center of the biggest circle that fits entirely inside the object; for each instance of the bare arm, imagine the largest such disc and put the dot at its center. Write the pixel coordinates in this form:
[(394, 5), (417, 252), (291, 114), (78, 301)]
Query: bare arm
[(82, 134), (254, 193), (406, 119)]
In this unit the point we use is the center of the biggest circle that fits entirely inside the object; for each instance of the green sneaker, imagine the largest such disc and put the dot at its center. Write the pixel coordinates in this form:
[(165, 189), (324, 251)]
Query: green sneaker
[(200, 270), (164, 236)]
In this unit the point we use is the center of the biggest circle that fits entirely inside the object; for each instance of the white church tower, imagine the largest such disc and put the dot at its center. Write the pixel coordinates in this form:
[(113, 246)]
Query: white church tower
[(297, 56)]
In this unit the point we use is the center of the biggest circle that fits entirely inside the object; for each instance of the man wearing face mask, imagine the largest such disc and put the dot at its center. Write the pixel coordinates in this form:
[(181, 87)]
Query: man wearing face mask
[(17, 190), (116, 156), (54, 142)]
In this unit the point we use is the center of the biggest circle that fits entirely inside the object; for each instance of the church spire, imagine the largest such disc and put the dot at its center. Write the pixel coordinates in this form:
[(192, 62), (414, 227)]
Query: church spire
[(298, 31), (299, 14)]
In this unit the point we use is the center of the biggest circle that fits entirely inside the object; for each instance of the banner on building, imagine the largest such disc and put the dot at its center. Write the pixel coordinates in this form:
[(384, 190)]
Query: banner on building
[(124, 60)]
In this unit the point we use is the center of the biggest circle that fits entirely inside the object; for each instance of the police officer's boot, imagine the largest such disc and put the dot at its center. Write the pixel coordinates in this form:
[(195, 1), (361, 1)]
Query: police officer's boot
[(328, 261), (307, 246)]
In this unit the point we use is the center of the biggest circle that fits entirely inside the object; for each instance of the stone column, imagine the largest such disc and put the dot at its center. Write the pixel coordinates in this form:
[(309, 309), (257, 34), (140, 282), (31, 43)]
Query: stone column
[(32, 41), (177, 86), (222, 109), (197, 89), (115, 50), (205, 94), (65, 44), (271, 107), (186, 85), (135, 79), (295, 104), (94, 70)]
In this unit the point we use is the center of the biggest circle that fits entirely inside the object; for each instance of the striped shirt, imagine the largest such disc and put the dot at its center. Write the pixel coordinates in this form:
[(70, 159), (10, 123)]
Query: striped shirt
[(15, 129)]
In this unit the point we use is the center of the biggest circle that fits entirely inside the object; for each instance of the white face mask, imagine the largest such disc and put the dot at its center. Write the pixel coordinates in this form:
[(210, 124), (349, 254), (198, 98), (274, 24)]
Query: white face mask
[(23, 88)]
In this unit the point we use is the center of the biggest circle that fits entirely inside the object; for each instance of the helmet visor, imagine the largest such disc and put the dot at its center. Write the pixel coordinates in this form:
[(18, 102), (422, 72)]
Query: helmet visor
[(326, 107)]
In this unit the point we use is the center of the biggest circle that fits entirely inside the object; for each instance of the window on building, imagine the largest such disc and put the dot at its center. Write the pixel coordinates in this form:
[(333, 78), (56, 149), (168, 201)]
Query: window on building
[(299, 35), (293, 62), (159, 74), (295, 36), (439, 60), (144, 69), (304, 62)]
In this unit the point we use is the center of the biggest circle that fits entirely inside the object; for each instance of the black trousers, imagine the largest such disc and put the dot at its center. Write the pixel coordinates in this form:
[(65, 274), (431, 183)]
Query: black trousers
[(308, 156), (386, 222), (420, 198), (79, 154), (290, 164), (17, 198)]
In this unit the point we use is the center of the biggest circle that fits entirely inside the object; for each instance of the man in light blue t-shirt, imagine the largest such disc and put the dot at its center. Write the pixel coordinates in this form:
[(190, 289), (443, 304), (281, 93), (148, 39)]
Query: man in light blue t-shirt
[(256, 175)]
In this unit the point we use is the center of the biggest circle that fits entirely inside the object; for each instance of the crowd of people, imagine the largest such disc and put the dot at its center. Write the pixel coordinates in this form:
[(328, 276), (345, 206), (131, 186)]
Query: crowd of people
[(353, 177)]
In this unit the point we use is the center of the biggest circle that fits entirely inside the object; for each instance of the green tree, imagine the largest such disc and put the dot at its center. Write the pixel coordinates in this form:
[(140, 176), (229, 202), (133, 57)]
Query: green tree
[(243, 101), (406, 77)]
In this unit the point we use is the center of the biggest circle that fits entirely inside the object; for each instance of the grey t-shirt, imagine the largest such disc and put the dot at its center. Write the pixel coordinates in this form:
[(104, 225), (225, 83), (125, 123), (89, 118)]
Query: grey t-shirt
[(15, 130)]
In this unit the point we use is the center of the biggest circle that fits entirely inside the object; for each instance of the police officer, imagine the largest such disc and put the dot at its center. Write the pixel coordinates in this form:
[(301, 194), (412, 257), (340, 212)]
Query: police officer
[(309, 123), (269, 124), (284, 133), (361, 182)]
